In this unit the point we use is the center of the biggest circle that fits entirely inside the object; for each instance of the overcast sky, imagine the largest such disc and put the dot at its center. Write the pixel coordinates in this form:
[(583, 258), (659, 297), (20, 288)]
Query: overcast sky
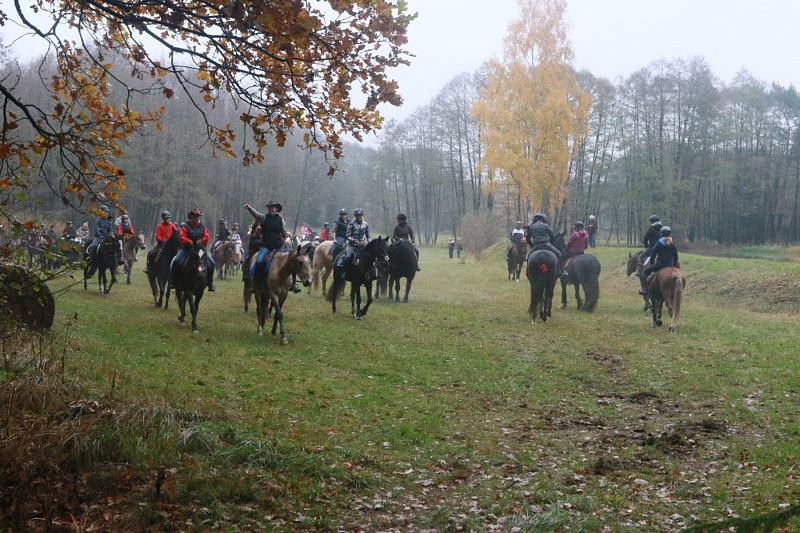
[(610, 37)]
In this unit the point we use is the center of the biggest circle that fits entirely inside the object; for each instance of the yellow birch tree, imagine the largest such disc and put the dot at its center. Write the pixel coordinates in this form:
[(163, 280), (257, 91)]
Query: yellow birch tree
[(531, 108)]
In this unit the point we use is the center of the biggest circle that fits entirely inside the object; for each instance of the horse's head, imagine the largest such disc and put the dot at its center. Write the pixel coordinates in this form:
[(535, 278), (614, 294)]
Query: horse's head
[(378, 249), (301, 264), (634, 263), (196, 261), (140, 242)]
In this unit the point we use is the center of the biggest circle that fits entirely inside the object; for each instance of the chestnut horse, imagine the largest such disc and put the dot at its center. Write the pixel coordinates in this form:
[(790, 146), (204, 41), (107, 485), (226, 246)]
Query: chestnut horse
[(516, 257), (322, 264), (666, 287), (272, 291), (636, 264)]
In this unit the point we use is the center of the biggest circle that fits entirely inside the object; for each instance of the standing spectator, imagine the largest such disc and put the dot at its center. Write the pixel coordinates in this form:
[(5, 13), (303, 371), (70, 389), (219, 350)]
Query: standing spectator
[(451, 246), (591, 229)]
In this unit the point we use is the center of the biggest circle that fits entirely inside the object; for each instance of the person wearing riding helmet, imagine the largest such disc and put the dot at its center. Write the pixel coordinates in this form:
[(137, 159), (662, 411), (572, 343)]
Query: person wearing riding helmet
[(273, 235), (164, 231), (357, 237), (540, 236), (195, 232), (591, 230), (664, 254), (223, 233), (652, 234), (578, 241), (324, 233), (234, 236), (403, 232), (340, 232), (103, 227), (69, 233), (516, 236)]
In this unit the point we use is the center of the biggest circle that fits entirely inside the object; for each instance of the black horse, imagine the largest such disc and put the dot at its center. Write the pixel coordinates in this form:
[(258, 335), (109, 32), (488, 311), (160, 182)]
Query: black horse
[(583, 271), (189, 279), (105, 260), (158, 270), (376, 250), (542, 273), (402, 264)]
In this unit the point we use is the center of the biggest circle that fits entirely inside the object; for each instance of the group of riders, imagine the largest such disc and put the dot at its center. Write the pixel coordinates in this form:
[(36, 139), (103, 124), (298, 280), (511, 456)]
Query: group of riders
[(268, 234), (659, 248)]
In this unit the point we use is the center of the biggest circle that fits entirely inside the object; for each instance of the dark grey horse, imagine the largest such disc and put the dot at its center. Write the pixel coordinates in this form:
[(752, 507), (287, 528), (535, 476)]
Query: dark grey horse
[(542, 273), (402, 264), (583, 271)]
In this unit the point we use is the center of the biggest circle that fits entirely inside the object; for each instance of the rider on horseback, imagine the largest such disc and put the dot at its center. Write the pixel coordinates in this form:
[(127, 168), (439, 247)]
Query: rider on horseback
[(403, 232), (69, 233), (357, 237), (164, 233), (194, 232), (540, 236), (340, 232), (516, 236), (578, 242), (664, 254), (83, 233), (223, 234), (273, 236), (235, 238), (653, 233), (103, 227), (325, 233)]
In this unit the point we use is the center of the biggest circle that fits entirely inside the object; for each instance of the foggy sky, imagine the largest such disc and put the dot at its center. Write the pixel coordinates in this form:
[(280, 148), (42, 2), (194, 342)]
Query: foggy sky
[(610, 38)]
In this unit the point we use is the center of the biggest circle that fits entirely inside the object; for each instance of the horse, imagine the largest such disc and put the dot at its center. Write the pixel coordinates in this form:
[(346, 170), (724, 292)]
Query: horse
[(358, 275), (666, 287), (106, 258), (189, 280), (402, 264), (583, 270), (517, 253), (130, 247), (272, 289), (636, 264), (227, 258), (158, 270), (322, 263), (542, 272)]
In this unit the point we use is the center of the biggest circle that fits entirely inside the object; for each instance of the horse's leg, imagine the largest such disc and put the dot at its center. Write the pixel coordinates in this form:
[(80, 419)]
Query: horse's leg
[(353, 298), (325, 275), (368, 286), (181, 306), (279, 315), (194, 302), (578, 294), (113, 271), (167, 290), (261, 312), (532, 306), (563, 293), (408, 288)]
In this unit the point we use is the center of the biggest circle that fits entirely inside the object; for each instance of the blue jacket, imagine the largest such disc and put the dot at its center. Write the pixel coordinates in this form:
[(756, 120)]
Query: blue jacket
[(663, 254), (103, 227)]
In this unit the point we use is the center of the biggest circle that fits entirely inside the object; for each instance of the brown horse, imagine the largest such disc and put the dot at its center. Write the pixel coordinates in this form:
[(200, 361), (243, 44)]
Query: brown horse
[(517, 256), (666, 287), (227, 259), (322, 263), (130, 247), (273, 291), (636, 264)]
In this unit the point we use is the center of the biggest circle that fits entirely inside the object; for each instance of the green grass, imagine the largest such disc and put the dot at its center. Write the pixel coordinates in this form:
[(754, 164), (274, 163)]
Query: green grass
[(454, 411)]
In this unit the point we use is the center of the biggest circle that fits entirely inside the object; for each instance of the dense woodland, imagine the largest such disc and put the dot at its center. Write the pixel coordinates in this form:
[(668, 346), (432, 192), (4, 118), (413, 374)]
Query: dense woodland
[(718, 161)]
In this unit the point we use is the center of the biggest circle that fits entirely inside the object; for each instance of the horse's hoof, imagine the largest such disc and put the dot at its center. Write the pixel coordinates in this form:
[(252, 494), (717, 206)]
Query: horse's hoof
[(260, 332), (195, 331), (659, 323), (284, 341)]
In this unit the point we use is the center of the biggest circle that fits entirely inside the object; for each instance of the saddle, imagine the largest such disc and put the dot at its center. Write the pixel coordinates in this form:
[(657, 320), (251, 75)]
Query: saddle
[(568, 261)]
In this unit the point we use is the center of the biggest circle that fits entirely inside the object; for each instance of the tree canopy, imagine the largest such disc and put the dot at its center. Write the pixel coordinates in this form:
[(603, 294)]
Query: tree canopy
[(318, 67)]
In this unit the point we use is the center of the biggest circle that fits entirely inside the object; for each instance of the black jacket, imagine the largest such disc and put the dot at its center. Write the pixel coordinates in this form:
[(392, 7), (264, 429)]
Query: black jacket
[(651, 237), (540, 233), (340, 228)]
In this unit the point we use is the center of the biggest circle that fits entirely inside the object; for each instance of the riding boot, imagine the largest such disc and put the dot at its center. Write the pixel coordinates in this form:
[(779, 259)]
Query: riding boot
[(211, 284)]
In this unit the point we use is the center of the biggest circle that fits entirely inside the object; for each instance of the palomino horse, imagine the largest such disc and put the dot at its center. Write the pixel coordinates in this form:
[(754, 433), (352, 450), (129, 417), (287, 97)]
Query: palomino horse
[(666, 287), (158, 265), (106, 258), (272, 289), (322, 264), (542, 273), (402, 264), (358, 275), (517, 254), (636, 264), (227, 258), (130, 247), (189, 281), (583, 271)]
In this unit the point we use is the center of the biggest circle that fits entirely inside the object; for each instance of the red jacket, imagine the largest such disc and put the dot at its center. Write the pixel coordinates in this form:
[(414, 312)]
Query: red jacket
[(323, 234), (164, 231), (121, 231), (578, 242), (191, 234)]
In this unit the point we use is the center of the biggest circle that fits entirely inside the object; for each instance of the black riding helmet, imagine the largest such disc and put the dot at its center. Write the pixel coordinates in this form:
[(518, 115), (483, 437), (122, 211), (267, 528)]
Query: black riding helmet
[(579, 224), (654, 219), (166, 214), (540, 216), (358, 213), (342, 211), (666, 231), (401, 216)]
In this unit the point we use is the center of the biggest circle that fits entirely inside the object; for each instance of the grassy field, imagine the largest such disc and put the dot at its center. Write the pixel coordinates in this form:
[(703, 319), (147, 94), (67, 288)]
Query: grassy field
[(452, 412)]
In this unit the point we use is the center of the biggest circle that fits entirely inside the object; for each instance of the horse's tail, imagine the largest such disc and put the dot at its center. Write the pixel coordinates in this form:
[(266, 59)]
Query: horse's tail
[(677, 295), (336, 287), (592, 286)]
